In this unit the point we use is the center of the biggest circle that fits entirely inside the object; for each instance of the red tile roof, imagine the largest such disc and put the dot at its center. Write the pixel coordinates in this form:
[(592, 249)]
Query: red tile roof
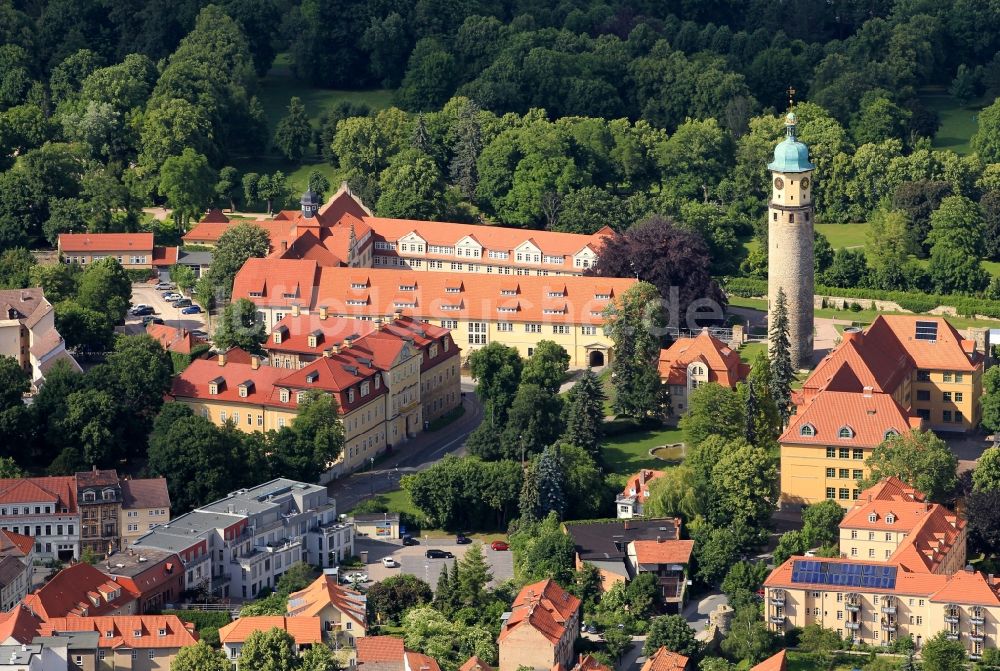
[(723, 363), (333, 330), (776, 662), (124, 630), (867, 417), (474, 663), (214, 216), (665, 660), (173, 339), (15, 544), (544, 606), (18, 624), (106, 242), (965, 587), (418, 662), (145, 493), (276, 282), (164, 257), (663, 552), (638, 484), (279, 231), (305, 630), (324, 592), (587, 663), (379, 649), (57, 490), (193, 383), (907, 583), (79, 589)]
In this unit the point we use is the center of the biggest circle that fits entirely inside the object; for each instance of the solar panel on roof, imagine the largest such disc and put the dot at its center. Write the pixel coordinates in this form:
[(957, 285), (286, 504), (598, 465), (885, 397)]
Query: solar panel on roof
[(926, 330), (843, 574)]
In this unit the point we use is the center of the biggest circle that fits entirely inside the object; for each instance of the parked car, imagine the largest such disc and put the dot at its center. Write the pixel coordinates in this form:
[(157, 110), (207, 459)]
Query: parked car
[(499, 546), (462, 539), (389, 562), (146, 321), (141, 310), (410, 540), (439, 554), (198, 333), (354, 577), (590, 629), (164, 286), (181, 303), (172, 296), (191, 310)]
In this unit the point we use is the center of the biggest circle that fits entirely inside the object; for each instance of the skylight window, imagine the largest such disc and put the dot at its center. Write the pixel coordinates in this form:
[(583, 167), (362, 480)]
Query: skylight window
[(926, 330)]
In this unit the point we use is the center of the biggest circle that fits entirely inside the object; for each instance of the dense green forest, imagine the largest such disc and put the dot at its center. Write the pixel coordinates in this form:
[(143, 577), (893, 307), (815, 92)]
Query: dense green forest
[(565, 116)]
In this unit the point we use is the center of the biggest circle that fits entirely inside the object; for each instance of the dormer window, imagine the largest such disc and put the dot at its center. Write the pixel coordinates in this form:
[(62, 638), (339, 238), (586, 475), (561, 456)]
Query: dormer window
[(246, 388), (89, 496), (845, 432), (378, 381), (890, 433), (350, 396), (602, 297), (508, 292), (108, 494), (163, 632), (276, 336), (137, 633), (890, 518), (109, 633), (359, 285), (215, 385), (365, 388), (873, 518), (808, 430), (313, 340), (447, 343), (556, 294), (407, 287), (300, 396), (284, 395), (312, 376)]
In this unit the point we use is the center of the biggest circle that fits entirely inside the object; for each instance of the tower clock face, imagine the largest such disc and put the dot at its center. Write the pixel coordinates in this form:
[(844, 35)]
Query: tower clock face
[(805, 182), (779, 183)]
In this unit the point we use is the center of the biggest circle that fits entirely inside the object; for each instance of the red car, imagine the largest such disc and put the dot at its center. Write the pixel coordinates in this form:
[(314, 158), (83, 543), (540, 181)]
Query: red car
[(499, 546)]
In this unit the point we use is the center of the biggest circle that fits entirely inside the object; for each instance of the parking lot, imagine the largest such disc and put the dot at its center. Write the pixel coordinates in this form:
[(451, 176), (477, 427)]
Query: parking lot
[(148, 295), (411, 559)]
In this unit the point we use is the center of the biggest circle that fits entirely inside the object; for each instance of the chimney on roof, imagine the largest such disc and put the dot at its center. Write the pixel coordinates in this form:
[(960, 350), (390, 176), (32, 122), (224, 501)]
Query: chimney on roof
[(336, 348), (659, 539), (853, 333), (322, 312), (295, 309), (222, 358), (382, 323), (254, 362), (867, 391), (397, 314)]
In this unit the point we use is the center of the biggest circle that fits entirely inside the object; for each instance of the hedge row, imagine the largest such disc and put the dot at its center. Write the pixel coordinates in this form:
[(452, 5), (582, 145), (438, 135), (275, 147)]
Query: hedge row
[(968, 306)]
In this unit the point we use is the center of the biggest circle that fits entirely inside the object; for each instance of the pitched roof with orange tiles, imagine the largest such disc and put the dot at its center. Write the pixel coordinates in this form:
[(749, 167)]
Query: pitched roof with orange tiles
[(869, 418), (544, 606), (106, 242), (305, 630), (14, 544), (193, 383), (344, 202), (587, 663), (776, 662), (933, 537), (427, 295), (665, 660), (907, 583), (663, 551), (58, 490), (18, 624), (379, 649), (164, 257), (79, 589), (280, 232), (336, 374), (324, 592), (638, 484), (173, 339), (145, 493), (967, 587), (474, 663), (332, 330), (214, 216), (127, 631), (950, 351), (723, 363), (416, 661)]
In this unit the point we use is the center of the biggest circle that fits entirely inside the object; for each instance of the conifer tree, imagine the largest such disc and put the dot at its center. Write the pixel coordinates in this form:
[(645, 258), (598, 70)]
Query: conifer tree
[(551, 485), (473, 575), (761, 417), (528, 500), (782, 373), (466, 149), (585, 414), (421, 139), (442, 595), (750, 431), (293, 133), (631, 321)]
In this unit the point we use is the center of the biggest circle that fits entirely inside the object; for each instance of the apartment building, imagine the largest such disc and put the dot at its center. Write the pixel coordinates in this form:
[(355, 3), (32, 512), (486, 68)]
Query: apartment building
[(304, 630), (691, 362), (633, 497), (541, 629), (80, 590), (99, 496), (45, 509), (28, 333), (137, 642), (343, 232), (903, 373), (517, 311), (145, 503), (242, 543), (154, 577), (17, 557), (132, 250), (342, 612)]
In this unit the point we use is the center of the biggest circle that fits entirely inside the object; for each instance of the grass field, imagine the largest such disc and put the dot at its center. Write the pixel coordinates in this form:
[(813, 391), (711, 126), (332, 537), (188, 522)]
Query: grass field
[(750, 351), (844, 235), (958, 122), (629, 452)]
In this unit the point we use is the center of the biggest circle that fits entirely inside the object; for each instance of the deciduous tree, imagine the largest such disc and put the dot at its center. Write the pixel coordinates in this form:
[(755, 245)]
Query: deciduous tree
[(942, 654), (918, 458), (237, 244), (199, 657), (272, 650), (673, 633), (547, 366), (240, 327), (188, 183)]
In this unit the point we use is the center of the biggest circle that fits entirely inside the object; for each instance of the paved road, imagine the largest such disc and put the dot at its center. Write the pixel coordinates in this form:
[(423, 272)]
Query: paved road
[(632, 660), (413, 561), (696, 612), (415, 455)]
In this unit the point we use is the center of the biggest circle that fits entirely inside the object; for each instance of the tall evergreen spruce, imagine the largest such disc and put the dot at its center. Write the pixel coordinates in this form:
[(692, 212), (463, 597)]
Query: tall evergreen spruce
[(528, 501), (551, 485), (442, 595), (750, 431), (467, 146), (782, 373), (631, 322), (585, 414), (421, 139)]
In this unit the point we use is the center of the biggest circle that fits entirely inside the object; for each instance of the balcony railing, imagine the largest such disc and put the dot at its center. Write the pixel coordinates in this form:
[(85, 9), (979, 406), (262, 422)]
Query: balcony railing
[(853, 625), (778, 599), (853, 607), (889, 610), (976, 636), (889, 626), (977, 619), (952, 635), (776, 619), (951, 619)]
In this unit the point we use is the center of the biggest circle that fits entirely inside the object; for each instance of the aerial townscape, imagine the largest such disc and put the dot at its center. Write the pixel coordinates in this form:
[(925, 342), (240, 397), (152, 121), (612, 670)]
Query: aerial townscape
[(471, 335)]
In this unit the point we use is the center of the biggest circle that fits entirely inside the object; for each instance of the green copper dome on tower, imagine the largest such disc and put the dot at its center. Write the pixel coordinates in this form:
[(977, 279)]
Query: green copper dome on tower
[(790, 155)]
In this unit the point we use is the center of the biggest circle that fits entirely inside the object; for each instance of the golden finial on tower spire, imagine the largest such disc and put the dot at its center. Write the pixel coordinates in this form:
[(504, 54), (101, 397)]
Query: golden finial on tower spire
[(791, 96)]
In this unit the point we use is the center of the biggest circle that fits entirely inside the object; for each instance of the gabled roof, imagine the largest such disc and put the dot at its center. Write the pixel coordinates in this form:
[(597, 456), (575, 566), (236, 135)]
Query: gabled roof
[(776, 662), (416, 661), (638, 484), (273, 278), (164, 257), (608, 540), (543, 606), (17, 545), (325, 592), (106, 242), (723, 363), (128, 632), (474, 663), (57, 490), (194, 381), (145, 493), (29, 305), (587, 663), (79, 589), (665, 660), (967, 587), (663, 551), (305, 630), (214, 216), (334, 330), (18, 624), (173, 339), (379, 649), (867, 417)]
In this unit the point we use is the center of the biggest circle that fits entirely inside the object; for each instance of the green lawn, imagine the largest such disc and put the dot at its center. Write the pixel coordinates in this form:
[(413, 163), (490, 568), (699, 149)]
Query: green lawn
[(297, 173), (958, 122), (629, 452), (801, 661), (844, 235), (750, 350)]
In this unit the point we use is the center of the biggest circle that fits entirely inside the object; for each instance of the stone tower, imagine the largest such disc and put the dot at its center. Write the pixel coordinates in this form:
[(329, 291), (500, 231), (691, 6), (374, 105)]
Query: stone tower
[(790, 241)]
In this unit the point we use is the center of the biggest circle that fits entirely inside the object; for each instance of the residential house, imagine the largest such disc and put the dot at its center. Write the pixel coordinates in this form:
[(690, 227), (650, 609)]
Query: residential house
[(132, 250), (17, 558), (145, 503), (136, 642), (474, 663), (633, 497), (81, 590), (305, 630), (299, 339), (667, 559), (77, 650), (665, 660), (517, 311), (155, 577), (342, 611), (244, 542), (693, 361), (904, 372), (44, 508), (17, 626), (541, 628), (178, 340), (387, 653), (28, 333), (99, 495)]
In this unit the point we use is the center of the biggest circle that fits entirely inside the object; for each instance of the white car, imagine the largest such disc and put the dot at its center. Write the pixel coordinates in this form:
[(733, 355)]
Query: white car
[(349, 578), (389, 562), (172, 296), (165, 286)]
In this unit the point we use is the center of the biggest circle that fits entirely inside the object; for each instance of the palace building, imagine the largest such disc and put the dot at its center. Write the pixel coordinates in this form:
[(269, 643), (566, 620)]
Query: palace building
[(903, 373)]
